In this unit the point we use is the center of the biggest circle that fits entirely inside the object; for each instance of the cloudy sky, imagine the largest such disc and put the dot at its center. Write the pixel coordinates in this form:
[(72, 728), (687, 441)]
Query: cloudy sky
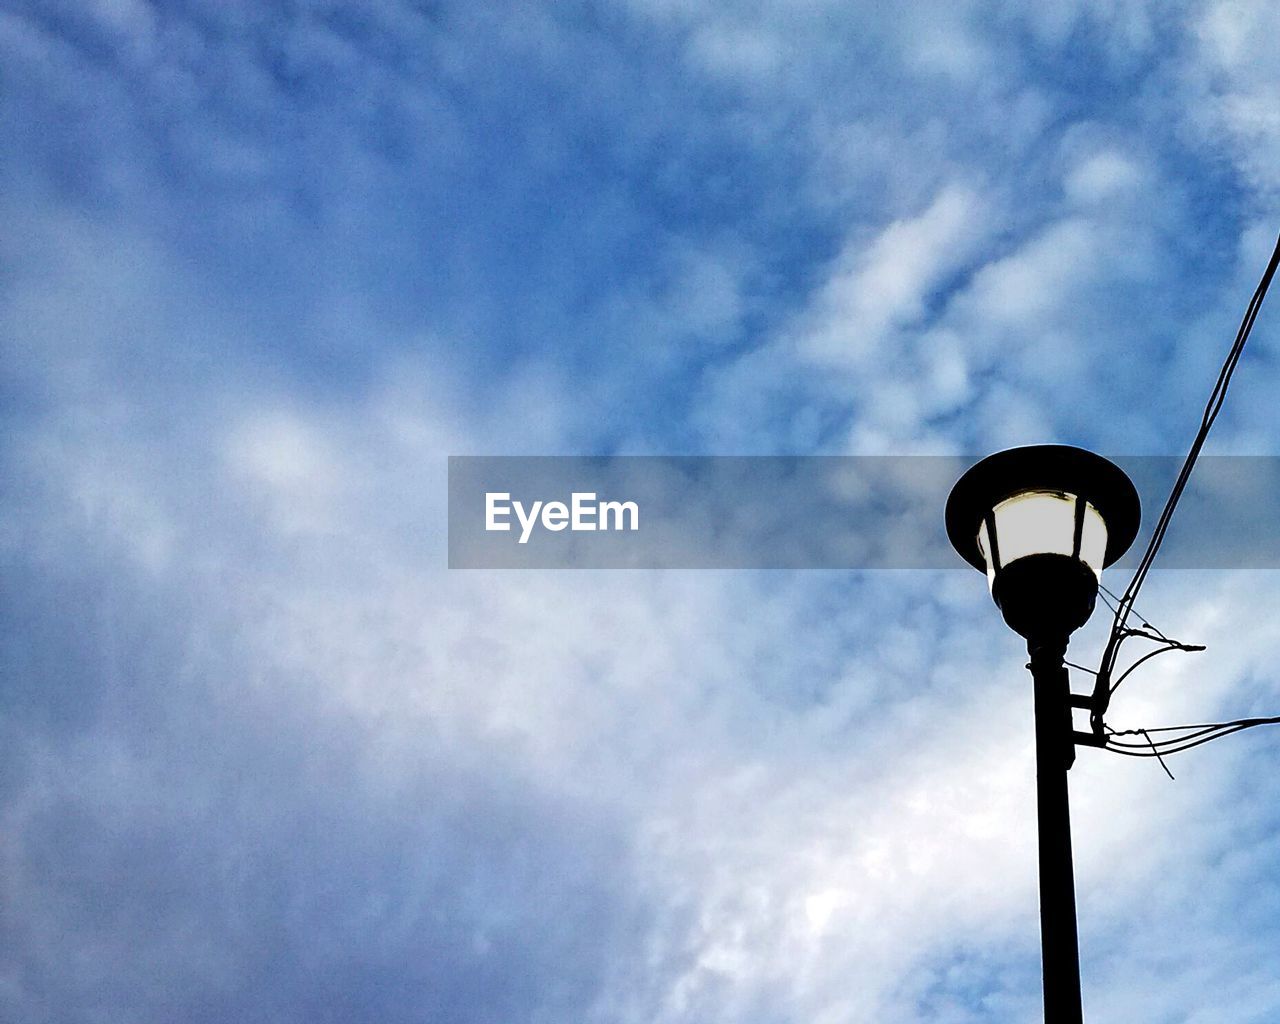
[(264, 266)]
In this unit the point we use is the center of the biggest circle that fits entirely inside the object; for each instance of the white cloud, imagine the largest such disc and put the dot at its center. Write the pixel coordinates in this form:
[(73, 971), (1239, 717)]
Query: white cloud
[(1234, 87), (1029, 288), (883, 284), (1104, 175), (737, 50)]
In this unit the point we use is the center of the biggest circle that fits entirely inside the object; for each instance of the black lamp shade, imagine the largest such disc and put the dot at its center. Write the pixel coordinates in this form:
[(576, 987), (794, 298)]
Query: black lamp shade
[(1043, 521)]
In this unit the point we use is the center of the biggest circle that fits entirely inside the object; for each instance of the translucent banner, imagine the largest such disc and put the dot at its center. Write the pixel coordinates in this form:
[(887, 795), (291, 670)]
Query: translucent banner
[(804, 512)]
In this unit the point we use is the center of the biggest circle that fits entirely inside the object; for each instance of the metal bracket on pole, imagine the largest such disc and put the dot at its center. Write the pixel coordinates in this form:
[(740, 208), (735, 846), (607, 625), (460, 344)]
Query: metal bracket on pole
[(1096, 737)]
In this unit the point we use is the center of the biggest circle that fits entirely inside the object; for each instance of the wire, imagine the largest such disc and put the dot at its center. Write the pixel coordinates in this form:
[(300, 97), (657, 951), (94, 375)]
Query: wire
[(1158, 757), (1196, 735), (1182, 728), (1175, 741), (1108, 591), (1103, 689), (1107, 600), (1216, 399), (1167, 750), (1113, 605), (1193, 730), (1169, 645)]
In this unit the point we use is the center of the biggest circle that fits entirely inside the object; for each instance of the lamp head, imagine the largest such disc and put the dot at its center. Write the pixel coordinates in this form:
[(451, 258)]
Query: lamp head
[(1042, 521)]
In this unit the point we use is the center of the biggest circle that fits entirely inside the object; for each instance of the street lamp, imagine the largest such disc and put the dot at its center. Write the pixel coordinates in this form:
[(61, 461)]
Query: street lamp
[(1042, 522)]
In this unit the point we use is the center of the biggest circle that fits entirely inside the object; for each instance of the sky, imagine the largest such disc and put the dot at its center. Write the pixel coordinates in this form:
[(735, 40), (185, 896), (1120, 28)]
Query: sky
[(265, 266)]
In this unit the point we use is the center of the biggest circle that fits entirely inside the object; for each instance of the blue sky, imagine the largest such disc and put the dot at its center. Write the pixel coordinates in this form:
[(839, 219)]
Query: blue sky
[(265, 266)]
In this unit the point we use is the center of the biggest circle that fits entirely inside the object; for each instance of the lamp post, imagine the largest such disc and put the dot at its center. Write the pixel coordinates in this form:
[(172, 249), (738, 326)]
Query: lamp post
[(1042, 522)]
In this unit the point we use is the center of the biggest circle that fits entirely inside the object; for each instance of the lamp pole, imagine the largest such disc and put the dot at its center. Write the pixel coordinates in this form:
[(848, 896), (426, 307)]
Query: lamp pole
[(1055, 753), (1042, 522)]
